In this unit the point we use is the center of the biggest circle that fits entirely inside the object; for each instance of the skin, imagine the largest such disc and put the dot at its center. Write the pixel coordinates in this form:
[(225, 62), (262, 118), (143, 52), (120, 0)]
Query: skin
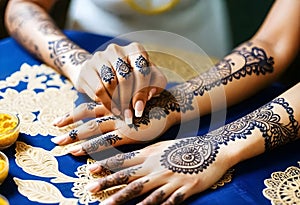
[(104, 76), (251, 66)]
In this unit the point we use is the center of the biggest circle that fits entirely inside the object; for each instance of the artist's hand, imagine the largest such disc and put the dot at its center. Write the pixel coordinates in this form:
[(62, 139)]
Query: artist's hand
[(170, 171), (122, 78), (105, 130)]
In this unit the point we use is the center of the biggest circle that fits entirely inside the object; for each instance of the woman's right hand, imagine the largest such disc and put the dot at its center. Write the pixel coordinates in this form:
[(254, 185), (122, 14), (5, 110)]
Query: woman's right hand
[(122, 78)]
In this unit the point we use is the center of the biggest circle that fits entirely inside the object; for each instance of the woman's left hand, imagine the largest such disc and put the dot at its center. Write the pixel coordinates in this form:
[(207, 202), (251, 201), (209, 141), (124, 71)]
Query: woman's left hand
[(105, 130), (171, 171)]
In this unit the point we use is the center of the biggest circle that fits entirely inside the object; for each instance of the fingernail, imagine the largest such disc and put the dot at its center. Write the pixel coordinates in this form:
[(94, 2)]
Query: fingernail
[(138, 108), (58, 139), (75, 149), (57, 121), (93, 167), (128, 116), (116, 111), (151, 93), (92, 187)]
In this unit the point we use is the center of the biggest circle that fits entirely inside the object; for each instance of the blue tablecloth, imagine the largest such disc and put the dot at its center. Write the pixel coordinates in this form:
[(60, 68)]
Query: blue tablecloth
[(248, 178)]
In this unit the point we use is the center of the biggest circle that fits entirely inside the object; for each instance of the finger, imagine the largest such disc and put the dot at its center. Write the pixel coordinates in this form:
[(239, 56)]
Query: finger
[(93, 127), (134, 189), (123, 160), (139, 61), (126, 81), (158, 196), (100, 143), (109, 82), (122, 177), (142, 76), (177, 197), (84, 110)]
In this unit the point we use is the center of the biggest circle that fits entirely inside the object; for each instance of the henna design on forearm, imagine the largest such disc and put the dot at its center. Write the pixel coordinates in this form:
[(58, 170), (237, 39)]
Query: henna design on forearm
[(58, 50), (78, 57), (43, 22), (193, 155), (105, 140), (180, 98)]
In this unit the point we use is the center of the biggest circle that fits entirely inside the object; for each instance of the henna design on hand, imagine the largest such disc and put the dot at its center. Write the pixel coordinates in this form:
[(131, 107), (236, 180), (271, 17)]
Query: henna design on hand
[(91, 105), (104, 119), (143, 65), (107, 74), (118, 160), (73, 134), (121, 177), (178, 199), (105, 140), (123, 68), (193, 155), (131, 191), (156, 198)]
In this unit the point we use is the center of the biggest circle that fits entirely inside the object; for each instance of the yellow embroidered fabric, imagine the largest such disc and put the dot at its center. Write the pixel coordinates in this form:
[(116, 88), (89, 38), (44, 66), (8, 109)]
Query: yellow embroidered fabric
[(284, 187), (37, 109)]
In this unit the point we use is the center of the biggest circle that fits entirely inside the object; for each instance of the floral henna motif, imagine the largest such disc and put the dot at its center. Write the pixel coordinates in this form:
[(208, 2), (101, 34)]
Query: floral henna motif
[(107, 74), (143, 65), (106, 141), (118, 161), (193, 155), (73, 134), (123, 68)]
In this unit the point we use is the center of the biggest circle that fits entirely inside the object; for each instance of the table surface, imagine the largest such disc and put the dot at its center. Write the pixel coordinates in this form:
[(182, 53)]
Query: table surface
[(245, 184)]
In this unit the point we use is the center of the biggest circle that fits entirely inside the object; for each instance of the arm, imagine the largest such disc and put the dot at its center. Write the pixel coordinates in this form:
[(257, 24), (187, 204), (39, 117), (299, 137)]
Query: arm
[(254, 64), (175, 170), (113, 76), (237, 76), (29, 23)]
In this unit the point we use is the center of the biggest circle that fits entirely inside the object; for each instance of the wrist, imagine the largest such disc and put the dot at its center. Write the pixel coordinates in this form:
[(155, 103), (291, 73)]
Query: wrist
[(243, 149), (73, 64)]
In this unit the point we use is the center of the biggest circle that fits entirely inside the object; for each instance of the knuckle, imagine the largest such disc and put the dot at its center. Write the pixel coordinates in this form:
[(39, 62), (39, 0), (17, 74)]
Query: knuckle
[(112, 47), (91, 125)]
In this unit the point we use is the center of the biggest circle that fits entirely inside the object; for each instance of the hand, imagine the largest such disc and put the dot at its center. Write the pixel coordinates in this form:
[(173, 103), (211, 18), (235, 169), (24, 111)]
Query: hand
[(109, 130), (171, 171), (121, 78)]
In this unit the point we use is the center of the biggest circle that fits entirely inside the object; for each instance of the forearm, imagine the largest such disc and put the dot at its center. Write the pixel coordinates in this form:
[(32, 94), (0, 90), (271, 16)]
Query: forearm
[(271, 126), (268, 127), (32, 27), (249, 68)]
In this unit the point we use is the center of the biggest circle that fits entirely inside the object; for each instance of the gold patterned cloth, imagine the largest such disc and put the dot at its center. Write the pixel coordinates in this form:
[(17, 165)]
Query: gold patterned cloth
[(284, 186)]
